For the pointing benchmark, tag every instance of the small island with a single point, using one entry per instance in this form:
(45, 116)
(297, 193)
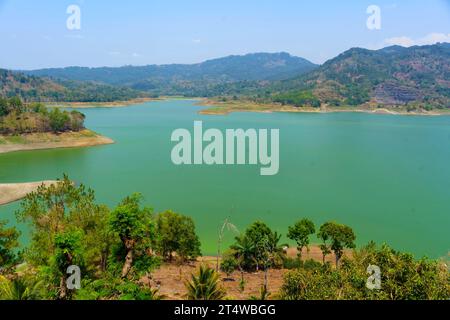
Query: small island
(33, 126)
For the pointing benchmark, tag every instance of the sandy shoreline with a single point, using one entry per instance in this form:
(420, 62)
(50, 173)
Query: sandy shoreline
(29, 142)
(114, 104)
(10, 192)
(215, 107)
(224, 108)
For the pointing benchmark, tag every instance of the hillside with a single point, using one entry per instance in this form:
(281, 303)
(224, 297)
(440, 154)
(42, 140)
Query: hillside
(202, 79)
(393, 76)
(33, 88)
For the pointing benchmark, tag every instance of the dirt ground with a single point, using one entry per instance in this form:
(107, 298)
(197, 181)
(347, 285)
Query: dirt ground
(171, 278)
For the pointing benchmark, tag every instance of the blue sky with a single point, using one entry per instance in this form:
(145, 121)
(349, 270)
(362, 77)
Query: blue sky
(137, 32)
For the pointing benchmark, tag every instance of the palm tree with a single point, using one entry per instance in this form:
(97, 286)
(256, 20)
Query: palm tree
(244, 250)
(18, 289)
(226, 226)
(205, 285)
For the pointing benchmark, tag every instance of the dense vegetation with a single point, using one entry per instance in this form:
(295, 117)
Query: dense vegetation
(35, 89)
(117, 250)
(17, 117)
(413, 78)
(202, 79)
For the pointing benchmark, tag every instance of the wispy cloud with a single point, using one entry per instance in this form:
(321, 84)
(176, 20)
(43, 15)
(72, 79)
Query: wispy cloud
(136, 55)
(429, 39)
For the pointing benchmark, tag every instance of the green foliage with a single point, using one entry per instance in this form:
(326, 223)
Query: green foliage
(19, 118)
(113, 288)
(35, 89)
(58, 120)
(300, 233)
(402, 278)
(64, 207)
(68, 250)
(20, 288)
(258, 247)
(8, 243)
(133, 226)
(298, 99)
(176, 235)
(205, 285)
(210, 78)
(340, 237)
(229, 264)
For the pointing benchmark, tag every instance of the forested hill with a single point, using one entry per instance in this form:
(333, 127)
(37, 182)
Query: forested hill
(391, 76)
(415, 77)
(33, 88)
(202, 79)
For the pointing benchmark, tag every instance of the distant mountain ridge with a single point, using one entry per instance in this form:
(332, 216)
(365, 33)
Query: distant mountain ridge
(415, 77)
(189, 79)
(33, 88)
(391, 76)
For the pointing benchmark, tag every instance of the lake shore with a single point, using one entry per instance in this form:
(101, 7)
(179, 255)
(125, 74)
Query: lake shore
(11, 192)
(113, 104)
(41, 141)
(216, 107)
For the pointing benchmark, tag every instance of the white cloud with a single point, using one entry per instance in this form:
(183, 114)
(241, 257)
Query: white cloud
(429, 39)
(114, 53)
(136, 55)
(197, 41)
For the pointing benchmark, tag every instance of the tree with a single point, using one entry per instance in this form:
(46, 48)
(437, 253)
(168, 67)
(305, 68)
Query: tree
(133, 226)
(58, 120)
(176, 235)
(229, 265)
(300, 233)
(63, 207)
(255, 244)
(20, 289)
(402, 278)
(205, 285)
(8, 242)
(340, 236)
(4, 107)
(68, 252)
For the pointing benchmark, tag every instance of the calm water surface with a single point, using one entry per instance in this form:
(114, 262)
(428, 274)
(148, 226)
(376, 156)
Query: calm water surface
(386, 176)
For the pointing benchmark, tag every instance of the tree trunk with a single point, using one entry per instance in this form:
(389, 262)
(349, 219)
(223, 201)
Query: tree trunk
(128, 263)
(63, 288)
(338, 257)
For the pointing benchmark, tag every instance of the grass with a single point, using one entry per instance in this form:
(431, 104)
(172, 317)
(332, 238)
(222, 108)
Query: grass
(217, 107)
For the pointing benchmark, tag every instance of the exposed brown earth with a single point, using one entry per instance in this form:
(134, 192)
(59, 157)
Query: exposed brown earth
(40, 141)
(171, 278)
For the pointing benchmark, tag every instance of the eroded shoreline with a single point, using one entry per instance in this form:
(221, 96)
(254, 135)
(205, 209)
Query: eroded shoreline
(11, 192)
(43, 141)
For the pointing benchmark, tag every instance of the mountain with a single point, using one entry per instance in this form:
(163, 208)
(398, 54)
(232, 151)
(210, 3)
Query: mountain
(192, 80)
(33, 88)
(415, 76)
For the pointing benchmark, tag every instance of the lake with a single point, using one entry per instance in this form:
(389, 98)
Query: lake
(386, 176)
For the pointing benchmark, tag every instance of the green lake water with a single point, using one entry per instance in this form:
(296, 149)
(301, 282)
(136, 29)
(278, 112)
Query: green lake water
(386, 176)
